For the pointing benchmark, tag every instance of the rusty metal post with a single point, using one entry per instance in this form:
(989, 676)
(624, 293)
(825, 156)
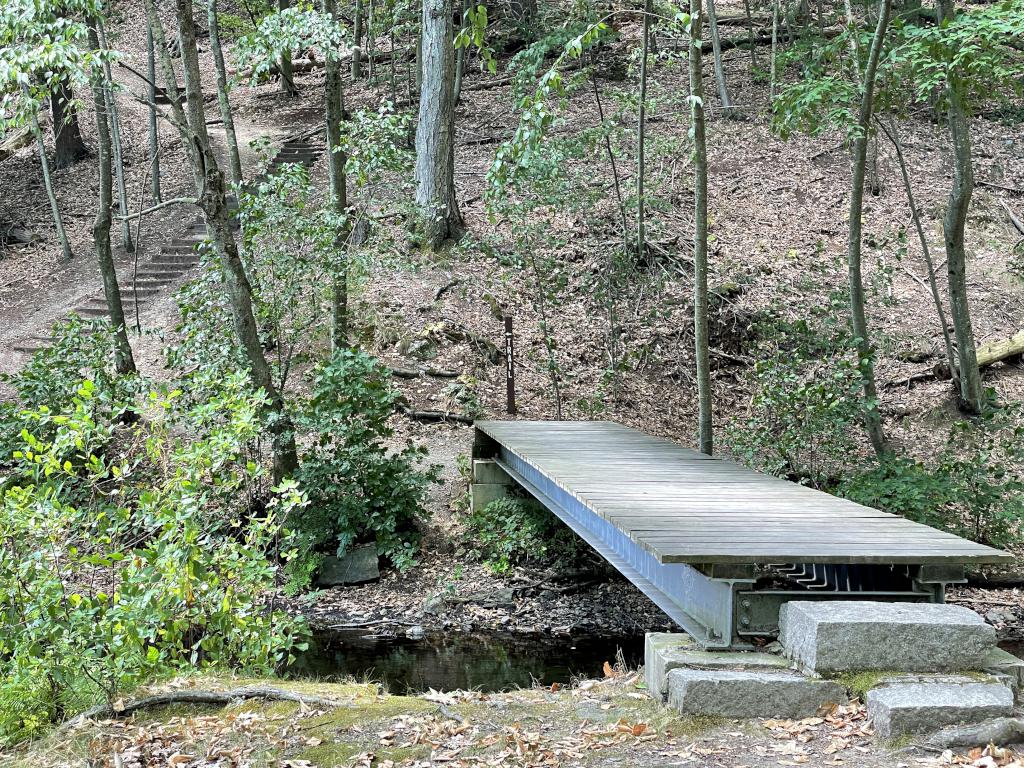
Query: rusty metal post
(510, 368)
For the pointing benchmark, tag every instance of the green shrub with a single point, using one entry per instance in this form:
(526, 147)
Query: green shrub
(512, 530)
(359, 488)
(807, 403)
(151, 575)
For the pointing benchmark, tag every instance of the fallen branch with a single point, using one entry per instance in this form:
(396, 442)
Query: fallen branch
(1003, 187)
(158, 206)
(221, 698)
(1014, 219)
(435, 416)
(417, 373)
(445, 288)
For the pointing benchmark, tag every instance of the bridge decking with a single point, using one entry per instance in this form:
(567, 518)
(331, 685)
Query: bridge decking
(682, 506)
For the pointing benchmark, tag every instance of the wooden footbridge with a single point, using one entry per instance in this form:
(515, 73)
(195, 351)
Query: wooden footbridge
(715, 545)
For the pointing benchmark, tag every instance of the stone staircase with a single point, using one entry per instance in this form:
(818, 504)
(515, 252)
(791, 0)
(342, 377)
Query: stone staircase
(177, 257)
(922, 666)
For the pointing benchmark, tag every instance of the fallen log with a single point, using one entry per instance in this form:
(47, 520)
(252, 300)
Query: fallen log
(990, 353)
(435, 416)
(15, 141)
(417, 373)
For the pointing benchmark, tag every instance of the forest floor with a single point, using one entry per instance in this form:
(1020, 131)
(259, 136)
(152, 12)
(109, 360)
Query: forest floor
(594, 723)
(778, 211)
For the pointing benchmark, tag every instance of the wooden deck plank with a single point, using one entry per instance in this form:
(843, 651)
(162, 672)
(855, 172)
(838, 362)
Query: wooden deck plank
(684, 506)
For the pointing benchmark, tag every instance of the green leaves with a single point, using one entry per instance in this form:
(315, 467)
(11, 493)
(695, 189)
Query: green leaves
(294, 28)
(474, 34)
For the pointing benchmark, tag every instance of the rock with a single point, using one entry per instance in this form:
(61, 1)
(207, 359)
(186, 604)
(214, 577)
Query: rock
(913, 708)
(665, 651)
(1000, 616)
(748, 694)
(415, 632)
(829, 637)
(1006, 665)
(1002, 730)
(357, 566)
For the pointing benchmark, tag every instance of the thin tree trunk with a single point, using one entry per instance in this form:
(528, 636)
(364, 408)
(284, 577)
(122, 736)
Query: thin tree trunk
(716, 51)
(58, 220)
(209, 180)
(154, 128)
(460, 59)
(124, 362)
(357, 37)
(67, 136)
(285, 65)
(115, 134)
(954, 224)
(865, 350)
(371, 41)
(234, 159)
(702, 352)
(893, 136)
(391, 60)
(775, 50)
(641, 135)
(438, 210)
(750, 38)
(334, 114)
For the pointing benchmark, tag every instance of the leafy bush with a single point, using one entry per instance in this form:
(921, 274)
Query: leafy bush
(359, 488)
(972, 488)
(806, 404)
(150, 576)
(512, 530)
(50, 381)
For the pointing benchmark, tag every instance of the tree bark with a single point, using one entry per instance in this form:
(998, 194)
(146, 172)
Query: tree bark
(209, 180)
(438, 211)
(773, 77)
(124, 361)
(954, 224)
(865, 350)
(154, 130)
(234, 159)
(702, 352)
(67, 136)
(716, 50)
(334, 100)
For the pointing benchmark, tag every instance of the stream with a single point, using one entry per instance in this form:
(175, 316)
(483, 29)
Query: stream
(461, 662)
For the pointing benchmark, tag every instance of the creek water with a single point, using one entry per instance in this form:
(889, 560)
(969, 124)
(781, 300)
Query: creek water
(460, 662)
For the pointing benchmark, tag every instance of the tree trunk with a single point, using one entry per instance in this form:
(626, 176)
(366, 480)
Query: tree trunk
(460, 59)
(954, 224)
(716, 50)
(67, 136)
(154, 129)
(865, 350)
(702, 352)
(58, 220)
(357, 38)
(234, 159)
(124, 362)
(773, 77)
(750, 38)
(641, 134)
(115, 134)
(285, 65)
(438, 210)
(334, 99)
(893, 136)
(209, 180)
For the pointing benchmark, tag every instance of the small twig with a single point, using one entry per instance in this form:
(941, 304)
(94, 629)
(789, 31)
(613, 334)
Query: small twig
(1014, 190)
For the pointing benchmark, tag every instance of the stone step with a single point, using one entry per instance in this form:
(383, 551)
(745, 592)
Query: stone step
(151, 280)
(751, 693)
(183, 243)
(666, 651)
(164, 270)
(91, 311)
(903, 709)
(31, 344)
(827, 637)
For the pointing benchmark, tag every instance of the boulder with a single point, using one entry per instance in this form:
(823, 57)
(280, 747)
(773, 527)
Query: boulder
(915, 708)
(751, 693)
(357, 566)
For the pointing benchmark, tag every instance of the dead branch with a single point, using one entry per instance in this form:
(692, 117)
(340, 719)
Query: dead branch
(1014, 219)
(417, 373)
(435, 416)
